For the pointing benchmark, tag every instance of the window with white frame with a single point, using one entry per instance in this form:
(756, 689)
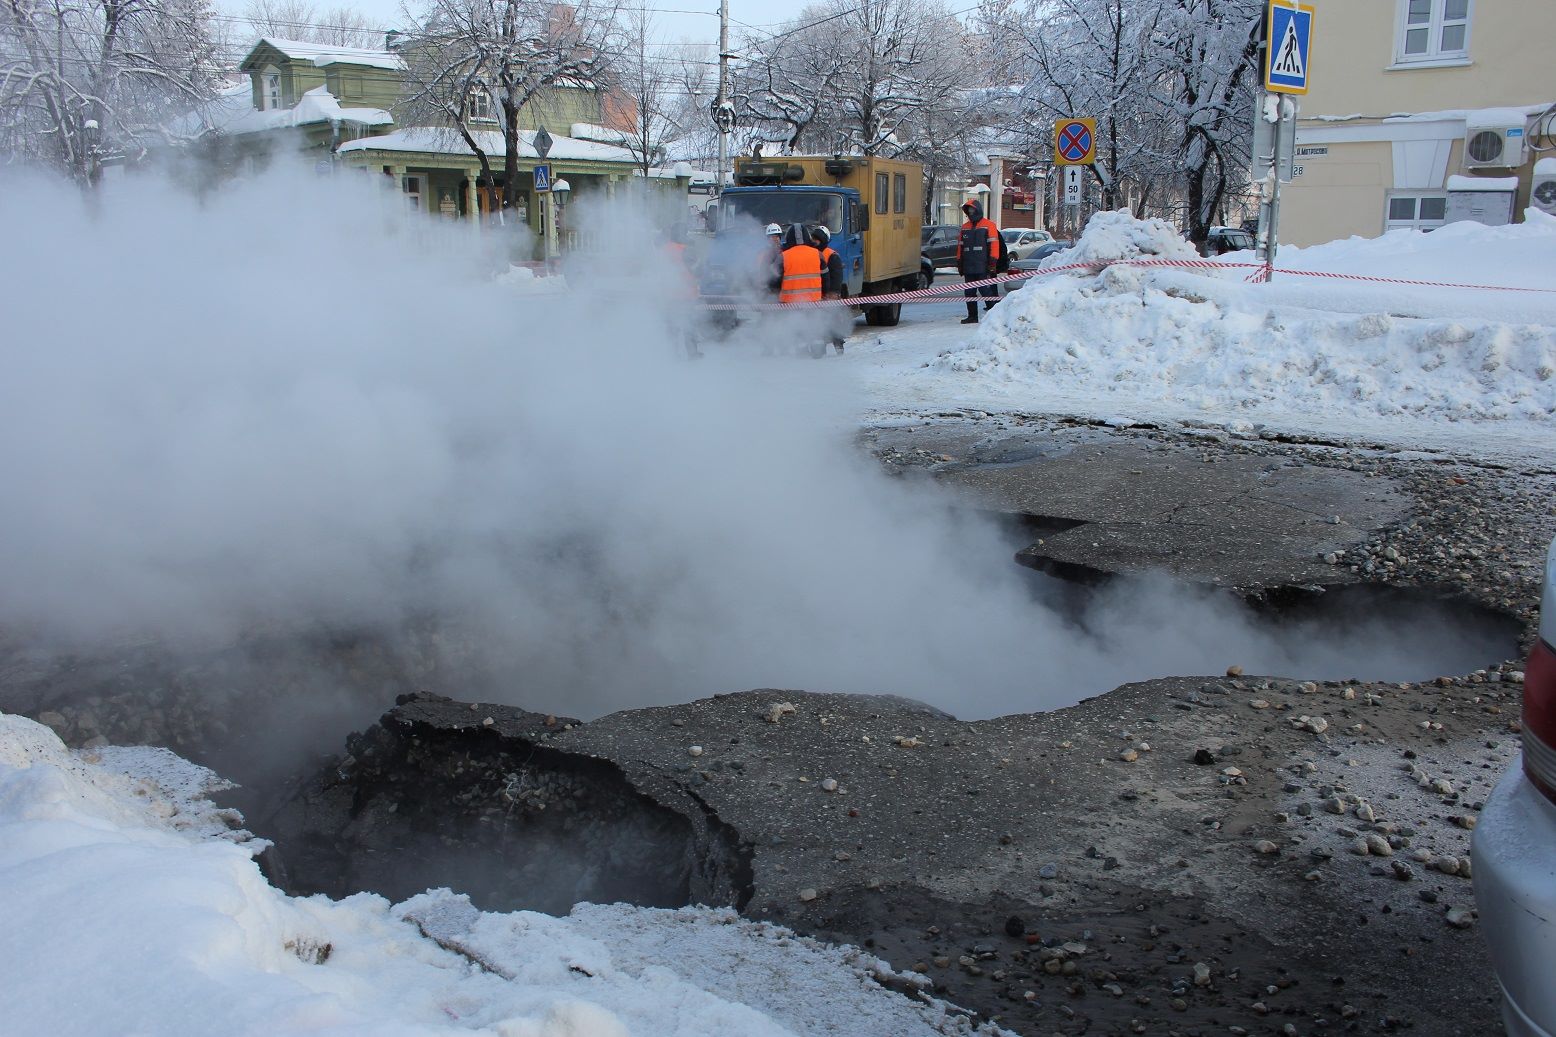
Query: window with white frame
(270, 88)
(1415, 211)
(1434, 30)
(480, 106)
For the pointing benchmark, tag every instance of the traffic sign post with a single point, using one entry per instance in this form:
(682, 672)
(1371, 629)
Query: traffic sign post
(548, 208)
(1288, 52)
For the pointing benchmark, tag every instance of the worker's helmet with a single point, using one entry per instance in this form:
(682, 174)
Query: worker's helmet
(819, 233)
(773, 230)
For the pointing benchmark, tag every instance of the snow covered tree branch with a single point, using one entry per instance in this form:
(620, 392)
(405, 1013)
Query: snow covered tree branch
(88, 81)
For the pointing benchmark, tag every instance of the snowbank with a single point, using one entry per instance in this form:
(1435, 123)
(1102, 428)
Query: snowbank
(1111, 236)
(124, 915)
(1236, 352)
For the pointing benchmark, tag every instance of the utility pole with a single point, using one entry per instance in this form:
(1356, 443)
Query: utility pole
(723, 111)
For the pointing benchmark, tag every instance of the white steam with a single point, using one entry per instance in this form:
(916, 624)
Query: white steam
(289, 404)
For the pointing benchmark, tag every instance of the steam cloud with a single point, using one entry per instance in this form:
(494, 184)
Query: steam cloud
(287, 405)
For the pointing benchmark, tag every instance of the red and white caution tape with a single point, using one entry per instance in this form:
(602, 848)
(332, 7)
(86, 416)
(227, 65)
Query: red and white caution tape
(944, 293)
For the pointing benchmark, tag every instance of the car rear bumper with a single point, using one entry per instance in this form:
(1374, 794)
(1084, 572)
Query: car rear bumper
(1515, 892)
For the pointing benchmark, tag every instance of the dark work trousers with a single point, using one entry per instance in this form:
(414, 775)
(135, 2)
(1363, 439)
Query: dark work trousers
(991, 293)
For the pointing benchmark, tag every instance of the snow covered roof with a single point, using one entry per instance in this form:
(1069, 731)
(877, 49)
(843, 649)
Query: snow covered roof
(233, 113)
(1477, 118)
(601, 134)
(438, 141)
(1482, 183)
(321, 54)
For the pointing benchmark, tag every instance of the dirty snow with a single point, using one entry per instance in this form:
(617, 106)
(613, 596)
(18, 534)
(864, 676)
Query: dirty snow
(120, 918)
(1401, 364)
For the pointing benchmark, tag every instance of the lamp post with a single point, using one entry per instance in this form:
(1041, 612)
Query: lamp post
(560, 190)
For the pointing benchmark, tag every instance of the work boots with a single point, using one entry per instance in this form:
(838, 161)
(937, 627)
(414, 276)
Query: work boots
(972, 314)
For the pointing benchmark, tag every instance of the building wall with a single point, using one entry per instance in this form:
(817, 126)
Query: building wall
(1337, 195)
(1353, 161)
(1354, 73)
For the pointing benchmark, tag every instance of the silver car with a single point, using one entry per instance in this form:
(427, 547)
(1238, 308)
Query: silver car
(1020, 243)
(1515, 848)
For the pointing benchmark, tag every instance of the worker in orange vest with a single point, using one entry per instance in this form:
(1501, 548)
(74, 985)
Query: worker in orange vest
(979, 255)
(803, 278)
(831, 282)
(680, 271)
(802, 269)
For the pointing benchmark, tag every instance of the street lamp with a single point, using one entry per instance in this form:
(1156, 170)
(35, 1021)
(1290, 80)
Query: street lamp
(560, 189)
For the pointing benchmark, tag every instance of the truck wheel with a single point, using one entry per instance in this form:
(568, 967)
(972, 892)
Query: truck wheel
(872, 316)
(890, 314)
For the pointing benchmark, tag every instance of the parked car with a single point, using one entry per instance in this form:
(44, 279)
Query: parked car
(1035, 258)
(1514, 849)
(939, 243)
(1226, 239)
(1020, 242)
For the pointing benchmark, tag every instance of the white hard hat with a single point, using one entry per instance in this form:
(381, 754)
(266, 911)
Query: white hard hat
(773, 230)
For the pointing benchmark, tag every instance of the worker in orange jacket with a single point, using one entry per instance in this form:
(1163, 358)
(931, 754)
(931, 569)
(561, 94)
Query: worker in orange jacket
(673, 252)
(802, 269)
(979, 255)
(804, 277)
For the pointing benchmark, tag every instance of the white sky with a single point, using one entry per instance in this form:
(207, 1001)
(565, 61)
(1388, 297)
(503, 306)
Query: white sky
(671, 21)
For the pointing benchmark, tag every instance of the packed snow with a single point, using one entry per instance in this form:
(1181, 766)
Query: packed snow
(1314, 353)
(134, 906)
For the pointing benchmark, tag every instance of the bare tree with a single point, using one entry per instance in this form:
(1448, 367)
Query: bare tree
(861, 76)
(786, 90)
(1212, 49)
(88, 81)
(465, 58)
(652, 86)
(341, 26)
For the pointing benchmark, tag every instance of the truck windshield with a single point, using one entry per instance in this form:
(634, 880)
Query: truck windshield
(784, 208)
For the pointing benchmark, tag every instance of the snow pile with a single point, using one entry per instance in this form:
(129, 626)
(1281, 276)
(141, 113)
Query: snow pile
(119, 919)
(1111, 236)
(1174, 341)
(524, 280)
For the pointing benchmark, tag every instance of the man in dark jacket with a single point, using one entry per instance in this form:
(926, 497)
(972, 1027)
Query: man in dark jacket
(978, 256)
(832, 284)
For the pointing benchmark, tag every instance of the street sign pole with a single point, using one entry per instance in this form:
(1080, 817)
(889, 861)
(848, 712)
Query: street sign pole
(1288, 39)
(1272, 232)
(1075, 147)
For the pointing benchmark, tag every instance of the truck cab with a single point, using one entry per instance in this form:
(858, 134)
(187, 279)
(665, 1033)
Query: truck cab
(836, 208)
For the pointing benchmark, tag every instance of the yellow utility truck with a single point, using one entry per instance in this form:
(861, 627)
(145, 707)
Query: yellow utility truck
(872, 207)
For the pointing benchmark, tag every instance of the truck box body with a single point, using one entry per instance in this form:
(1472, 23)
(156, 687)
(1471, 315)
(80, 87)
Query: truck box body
(873, 208)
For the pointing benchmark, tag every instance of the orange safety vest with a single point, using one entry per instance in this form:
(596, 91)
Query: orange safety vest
(801, 275)
(675, 253)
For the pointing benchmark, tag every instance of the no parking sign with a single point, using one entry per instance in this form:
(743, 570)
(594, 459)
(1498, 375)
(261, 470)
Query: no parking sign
(1075, 142)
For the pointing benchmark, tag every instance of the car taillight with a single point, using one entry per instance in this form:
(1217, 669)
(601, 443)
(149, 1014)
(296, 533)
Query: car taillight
(1540, 692)
(1540, 719)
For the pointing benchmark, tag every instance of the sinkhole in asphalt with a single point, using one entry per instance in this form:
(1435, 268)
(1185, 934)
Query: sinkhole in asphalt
(1171, 628)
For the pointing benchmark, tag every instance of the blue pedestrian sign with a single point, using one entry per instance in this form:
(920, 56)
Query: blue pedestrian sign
(1288, 45)
(542, 179)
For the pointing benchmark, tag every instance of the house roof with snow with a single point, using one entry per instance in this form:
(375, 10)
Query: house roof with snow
(320, 55)
(436, 141)
(232, 113)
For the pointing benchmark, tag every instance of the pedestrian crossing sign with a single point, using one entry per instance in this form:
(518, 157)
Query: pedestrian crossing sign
(1288, 47)
(542, 179)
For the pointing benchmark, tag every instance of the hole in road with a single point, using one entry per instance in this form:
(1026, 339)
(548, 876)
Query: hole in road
(1160, 627)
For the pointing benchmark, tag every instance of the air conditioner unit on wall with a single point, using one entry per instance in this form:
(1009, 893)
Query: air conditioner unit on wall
(1493, 148)
(1542, 189)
